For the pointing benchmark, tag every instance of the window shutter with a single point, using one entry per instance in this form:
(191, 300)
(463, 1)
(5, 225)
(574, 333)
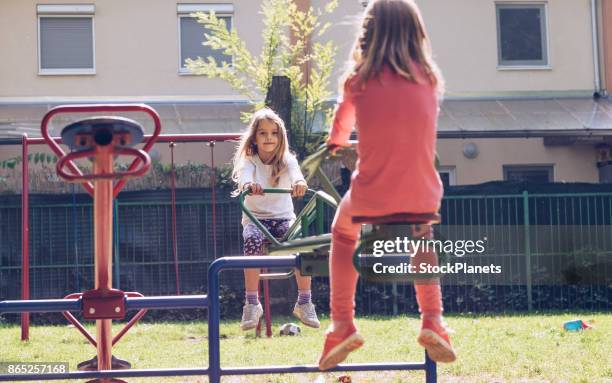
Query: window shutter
(66, 43)
(192, 36)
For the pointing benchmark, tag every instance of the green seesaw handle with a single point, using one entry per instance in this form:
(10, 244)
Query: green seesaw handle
(318, 198)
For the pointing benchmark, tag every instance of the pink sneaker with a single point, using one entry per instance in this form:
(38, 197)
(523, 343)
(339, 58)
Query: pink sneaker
(339, 346)
(435, 339)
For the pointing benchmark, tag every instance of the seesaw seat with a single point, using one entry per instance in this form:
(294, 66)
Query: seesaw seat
(119, 131)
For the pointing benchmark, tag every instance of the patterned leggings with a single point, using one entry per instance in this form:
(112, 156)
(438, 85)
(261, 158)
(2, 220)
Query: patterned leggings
(254, 239)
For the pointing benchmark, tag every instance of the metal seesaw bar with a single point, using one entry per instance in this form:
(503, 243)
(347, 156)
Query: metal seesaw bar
(106, 374)
(315, 369)
(300, 245)
(214, 357)
(214, 370)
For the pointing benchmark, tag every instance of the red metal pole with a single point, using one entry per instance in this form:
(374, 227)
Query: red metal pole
(213, 184)
(129, 325)
(173, 208)
(75, 322)
(103, 247)
(258, 329)
(266, 285)
(132, 321)
(68, 315)
(25, 236)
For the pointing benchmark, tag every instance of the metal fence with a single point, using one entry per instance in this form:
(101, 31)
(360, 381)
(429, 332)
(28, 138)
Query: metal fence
(545, 235)
(61, 246)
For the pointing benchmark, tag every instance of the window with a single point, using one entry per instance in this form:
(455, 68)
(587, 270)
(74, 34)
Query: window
(447, 175)
(191, 33)
(531, 173)
(521, 35)
(65, 39)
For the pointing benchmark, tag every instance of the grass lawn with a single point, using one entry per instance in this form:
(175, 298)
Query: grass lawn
(519, 348)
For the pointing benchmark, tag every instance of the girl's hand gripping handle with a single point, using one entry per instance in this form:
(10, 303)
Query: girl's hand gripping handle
(255, 188)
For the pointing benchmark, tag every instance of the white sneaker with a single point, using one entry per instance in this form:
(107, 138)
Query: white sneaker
(250, 316)
(307, 314)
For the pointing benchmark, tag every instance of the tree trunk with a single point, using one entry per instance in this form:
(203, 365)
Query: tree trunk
(279, 99)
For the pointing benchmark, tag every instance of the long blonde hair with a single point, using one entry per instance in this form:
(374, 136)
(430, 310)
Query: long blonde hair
(393, 35)
(248, 147)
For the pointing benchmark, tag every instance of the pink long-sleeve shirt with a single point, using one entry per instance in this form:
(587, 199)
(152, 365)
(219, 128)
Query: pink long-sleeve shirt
(396, 123)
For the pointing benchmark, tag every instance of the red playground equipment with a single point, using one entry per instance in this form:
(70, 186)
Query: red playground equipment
(102, 140)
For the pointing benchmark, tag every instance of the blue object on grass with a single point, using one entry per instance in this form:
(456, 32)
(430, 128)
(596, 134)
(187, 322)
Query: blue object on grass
(573, 325)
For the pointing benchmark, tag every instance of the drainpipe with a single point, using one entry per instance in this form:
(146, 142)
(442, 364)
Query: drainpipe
(595, 33)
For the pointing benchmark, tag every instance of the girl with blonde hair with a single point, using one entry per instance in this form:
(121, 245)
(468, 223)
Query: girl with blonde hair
(263, 161)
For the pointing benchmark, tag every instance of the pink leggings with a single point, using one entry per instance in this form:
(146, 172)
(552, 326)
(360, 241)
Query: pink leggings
(343, 276)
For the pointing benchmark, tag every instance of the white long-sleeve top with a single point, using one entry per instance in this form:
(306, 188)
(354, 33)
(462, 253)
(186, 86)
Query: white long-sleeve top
(270, 205)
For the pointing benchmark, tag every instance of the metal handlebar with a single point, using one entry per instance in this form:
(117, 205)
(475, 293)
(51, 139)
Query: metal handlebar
(44, 128)
(255, 221)
(140, 154)
(316, 196)
(319, 195)
(311, 165)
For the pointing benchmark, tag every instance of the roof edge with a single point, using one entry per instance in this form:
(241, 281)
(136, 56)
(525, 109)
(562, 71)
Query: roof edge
(37, 101)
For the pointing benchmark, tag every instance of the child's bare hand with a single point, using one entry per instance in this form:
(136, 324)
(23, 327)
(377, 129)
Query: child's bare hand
(255, 189)
(299, 189)
(333, 148)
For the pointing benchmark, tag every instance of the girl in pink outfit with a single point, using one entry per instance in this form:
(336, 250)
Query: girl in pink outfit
(391, 97)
